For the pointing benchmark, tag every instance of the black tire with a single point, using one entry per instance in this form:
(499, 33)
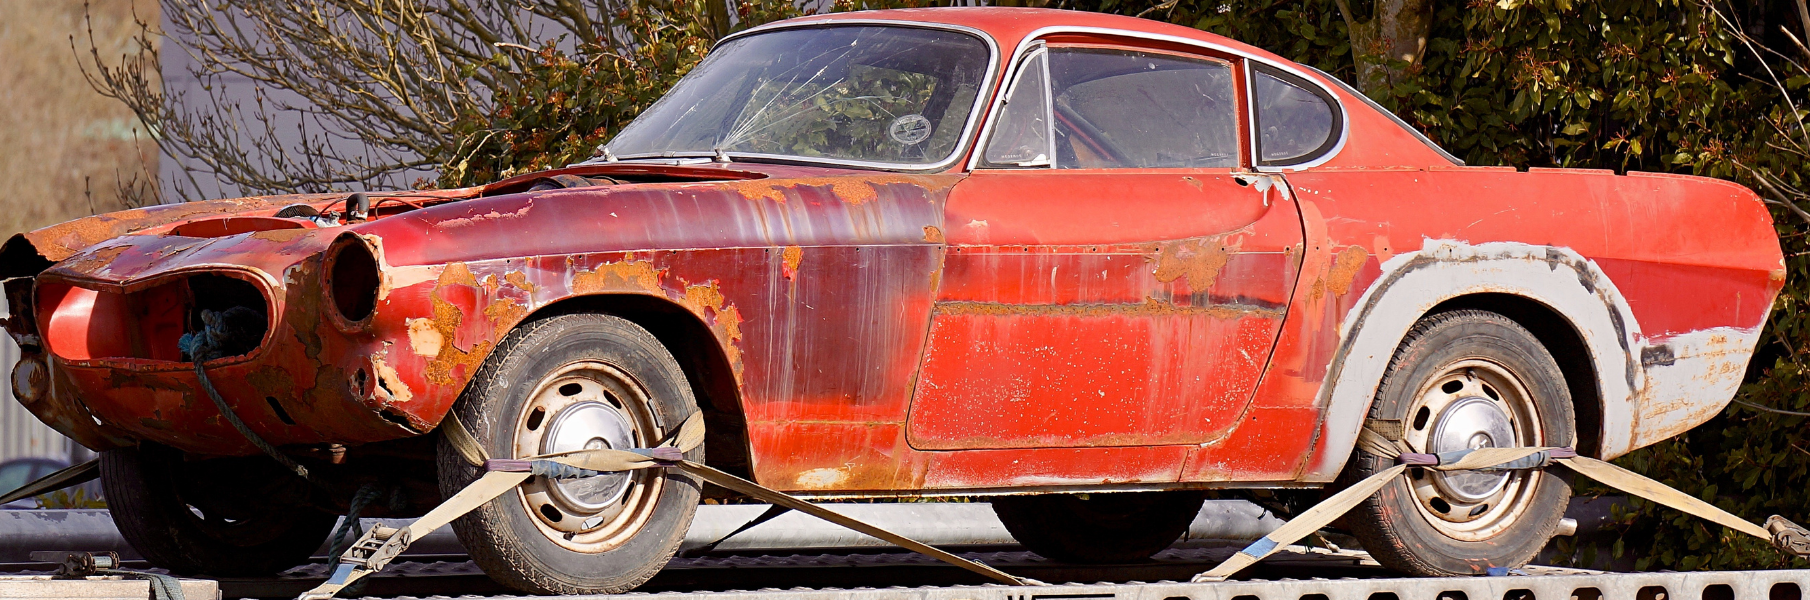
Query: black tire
(1098, 528)
(154, 496)
(1463, 379)
(634, 534)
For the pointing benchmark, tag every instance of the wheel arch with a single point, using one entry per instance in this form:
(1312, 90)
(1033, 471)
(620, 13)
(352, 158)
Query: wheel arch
(700, 355)
(1559, 295)
(1560, 338)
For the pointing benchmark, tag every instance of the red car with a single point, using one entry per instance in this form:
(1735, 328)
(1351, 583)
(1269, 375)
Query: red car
(1093, 266)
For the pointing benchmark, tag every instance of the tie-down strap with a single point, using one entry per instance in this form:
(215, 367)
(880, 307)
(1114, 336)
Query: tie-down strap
(382, 544)
(1784, 534)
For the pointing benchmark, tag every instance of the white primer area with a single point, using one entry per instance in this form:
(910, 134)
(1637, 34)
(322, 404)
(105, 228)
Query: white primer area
(1642, 404)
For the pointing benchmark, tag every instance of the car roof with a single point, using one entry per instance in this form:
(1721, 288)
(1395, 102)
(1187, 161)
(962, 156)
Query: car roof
(1009, 25)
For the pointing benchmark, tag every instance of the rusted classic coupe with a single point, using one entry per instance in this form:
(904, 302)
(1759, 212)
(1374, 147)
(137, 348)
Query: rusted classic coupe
(1092, 266)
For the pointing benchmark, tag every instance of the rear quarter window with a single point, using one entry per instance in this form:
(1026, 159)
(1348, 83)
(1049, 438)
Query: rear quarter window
(1296, 121)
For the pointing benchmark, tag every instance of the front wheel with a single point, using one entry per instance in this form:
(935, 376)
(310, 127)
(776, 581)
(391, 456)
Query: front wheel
(227, 516)
(566, 383)
(1465, 380)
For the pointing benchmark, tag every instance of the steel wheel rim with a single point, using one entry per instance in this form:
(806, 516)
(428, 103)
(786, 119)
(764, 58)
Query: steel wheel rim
(588, 523)
(1472, 402)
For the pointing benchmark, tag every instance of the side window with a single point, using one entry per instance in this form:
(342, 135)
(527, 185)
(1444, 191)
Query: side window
(1129, 109)
(1021, 137)
(1296, 122)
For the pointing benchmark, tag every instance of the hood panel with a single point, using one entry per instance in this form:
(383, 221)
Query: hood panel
(864, 209)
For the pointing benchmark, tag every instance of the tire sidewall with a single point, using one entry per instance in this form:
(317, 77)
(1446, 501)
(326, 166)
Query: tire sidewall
(506, 537)
(1416, 545)
(146, 500)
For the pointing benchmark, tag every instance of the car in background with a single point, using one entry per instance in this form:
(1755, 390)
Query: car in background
(17, 472)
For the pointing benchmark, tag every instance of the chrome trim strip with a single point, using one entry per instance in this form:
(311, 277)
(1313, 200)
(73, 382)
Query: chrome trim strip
(1035, 36)
(963, 143)
(1250, 115)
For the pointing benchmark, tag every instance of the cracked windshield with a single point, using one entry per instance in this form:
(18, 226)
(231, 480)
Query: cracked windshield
(856, 93)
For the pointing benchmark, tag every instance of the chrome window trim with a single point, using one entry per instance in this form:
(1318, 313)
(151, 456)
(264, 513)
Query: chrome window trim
(963, 143)
(1010, 86)
(1037, 35)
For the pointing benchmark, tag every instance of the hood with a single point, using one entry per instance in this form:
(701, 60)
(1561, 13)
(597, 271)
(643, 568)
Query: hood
(27, 254)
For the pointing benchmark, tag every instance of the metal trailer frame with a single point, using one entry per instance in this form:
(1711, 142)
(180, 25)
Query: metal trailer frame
(1573, 585)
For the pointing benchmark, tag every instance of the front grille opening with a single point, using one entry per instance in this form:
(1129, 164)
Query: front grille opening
(238, 314)
(150, 323)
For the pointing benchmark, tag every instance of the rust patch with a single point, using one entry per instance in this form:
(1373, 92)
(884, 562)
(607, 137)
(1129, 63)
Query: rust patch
(489, 216)
(625, 275)
(1345, 270)
(1193, 182)
(457, 274)
(445, 322)
(504, 313)
(96, 261)
(520, 281)
(704, 296)
(932, 234)
(706, 300)
(755, 189)
(792, 255)
(1196, 261)
(851, 190)
(281, 236)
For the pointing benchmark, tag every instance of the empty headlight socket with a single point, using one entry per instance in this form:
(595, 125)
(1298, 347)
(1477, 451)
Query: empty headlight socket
(352, 276)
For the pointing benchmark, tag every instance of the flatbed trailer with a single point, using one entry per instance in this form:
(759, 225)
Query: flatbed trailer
(1297, 573)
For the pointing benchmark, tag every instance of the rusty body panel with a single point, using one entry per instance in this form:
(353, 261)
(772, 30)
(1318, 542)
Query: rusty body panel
(875, 333)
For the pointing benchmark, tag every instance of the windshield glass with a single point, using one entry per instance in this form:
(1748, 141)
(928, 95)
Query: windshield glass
(875, 94)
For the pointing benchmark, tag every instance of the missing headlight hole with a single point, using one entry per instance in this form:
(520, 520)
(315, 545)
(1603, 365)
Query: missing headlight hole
(352, 279)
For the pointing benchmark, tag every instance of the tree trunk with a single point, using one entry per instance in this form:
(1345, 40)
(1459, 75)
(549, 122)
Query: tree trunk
(1389, 44)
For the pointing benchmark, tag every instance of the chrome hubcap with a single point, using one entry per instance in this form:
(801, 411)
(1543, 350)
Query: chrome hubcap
(1469, 424)
(589, 426)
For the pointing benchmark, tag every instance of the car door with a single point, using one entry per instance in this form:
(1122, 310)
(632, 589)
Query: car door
(1114, 276)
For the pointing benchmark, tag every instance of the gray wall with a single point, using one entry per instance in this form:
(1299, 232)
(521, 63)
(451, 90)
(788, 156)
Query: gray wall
(21, 434)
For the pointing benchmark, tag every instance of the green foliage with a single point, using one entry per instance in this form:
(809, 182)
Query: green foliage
(64, 499)
(1653, 85)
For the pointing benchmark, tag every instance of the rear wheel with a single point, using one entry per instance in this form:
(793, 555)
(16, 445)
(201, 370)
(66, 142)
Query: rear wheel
(231, 516)
(1098, 528)
(1465, 380)
(568, 383)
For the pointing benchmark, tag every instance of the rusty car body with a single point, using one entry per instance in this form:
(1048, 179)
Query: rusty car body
(956, 327)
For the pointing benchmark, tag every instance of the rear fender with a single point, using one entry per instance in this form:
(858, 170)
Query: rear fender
(1650, 390)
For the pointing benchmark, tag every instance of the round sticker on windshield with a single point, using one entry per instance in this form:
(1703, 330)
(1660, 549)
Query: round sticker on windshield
(909, 129)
